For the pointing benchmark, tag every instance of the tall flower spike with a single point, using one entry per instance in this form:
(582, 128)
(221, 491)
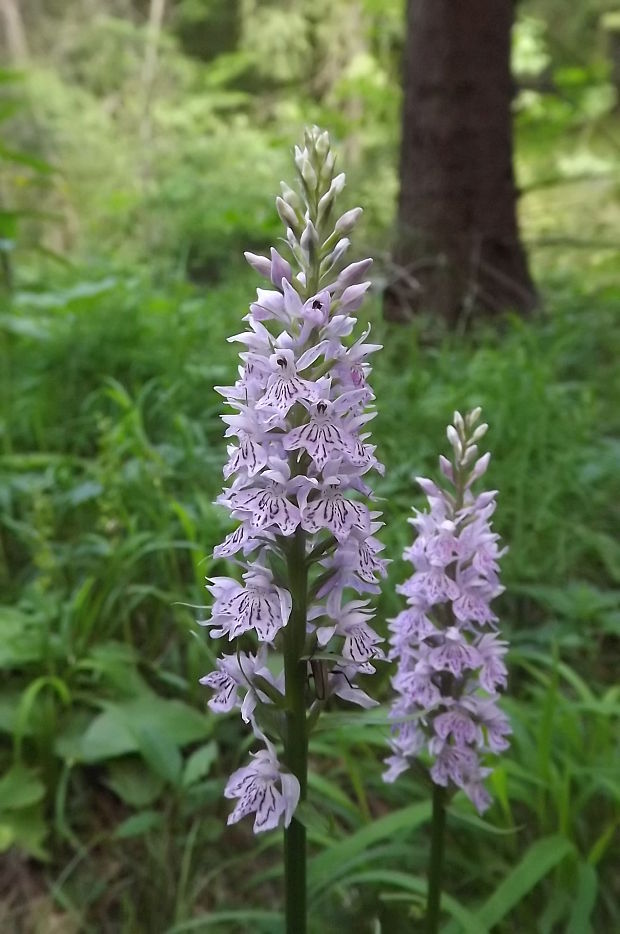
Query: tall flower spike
(298, 459)
(450, 656)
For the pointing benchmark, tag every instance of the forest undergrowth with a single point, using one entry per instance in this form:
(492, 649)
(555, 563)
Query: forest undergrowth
(111, 460)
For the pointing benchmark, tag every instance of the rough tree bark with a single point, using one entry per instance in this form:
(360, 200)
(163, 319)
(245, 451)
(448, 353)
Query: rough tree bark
(458, 249)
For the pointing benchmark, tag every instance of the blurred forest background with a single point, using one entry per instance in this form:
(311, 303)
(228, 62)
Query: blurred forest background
(141, 148)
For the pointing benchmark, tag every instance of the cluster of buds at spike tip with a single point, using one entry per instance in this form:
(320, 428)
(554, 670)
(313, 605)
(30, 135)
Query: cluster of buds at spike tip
(449, 653)
(298, 461)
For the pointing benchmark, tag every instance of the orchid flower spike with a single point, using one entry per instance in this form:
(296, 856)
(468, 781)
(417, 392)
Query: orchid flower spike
(299, 458)
(446, 642)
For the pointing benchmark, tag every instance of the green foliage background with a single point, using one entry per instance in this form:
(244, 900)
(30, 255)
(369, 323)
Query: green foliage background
(125, 205)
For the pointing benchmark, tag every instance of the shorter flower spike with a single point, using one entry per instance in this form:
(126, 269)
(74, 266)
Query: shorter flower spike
(450, 658)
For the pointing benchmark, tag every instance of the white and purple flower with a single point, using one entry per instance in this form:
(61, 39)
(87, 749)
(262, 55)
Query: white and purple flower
(298, 450)
(450, 659)
(265, 790)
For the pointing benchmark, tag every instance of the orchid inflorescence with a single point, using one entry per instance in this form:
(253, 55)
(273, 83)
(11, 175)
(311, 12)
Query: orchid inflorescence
(449, 654)
(298, 458)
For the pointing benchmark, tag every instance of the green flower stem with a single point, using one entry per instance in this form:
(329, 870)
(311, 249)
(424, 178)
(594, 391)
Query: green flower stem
(296, 737)
(435, 868)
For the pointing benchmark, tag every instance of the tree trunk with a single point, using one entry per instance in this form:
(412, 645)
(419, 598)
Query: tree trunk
(458, 249)
(157, 8)
(14, 32)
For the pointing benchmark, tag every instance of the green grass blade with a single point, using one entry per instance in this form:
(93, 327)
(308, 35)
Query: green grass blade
(541, 857)
(255, 919)
(587, 884)
(327, 866)
(469, 923)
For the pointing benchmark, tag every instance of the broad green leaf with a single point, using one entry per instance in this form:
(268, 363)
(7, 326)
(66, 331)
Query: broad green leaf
(9, 708)
(117, 662)
(327, 866)
(20, 788)
(138, 824)
(6, 836)
(161, 753)
(133, 782)
(112, 733)
(25, 829)
(25, 326)
(540, 859)
(199, 763)
(106, 737)
(83, 492)
(72, 726)
(22, 638)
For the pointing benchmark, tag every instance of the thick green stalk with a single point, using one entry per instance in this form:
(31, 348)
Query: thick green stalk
(435, 868)
(296, 738)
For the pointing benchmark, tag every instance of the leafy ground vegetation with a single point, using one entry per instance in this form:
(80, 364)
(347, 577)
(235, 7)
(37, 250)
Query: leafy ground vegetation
(122, 283)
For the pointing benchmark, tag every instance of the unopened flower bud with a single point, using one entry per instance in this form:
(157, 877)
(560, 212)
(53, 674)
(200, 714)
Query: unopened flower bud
(459, 424)
(351, 274)
(446, 468)
(338, 184)
(260, 263)
(326, 201)
(308, 174)
(454, 440)
(479, 468)
(480, 432)
(309, 239)
(352, 297)
(327, 169)
(428, 486)
(347, 222)
(337, 253)
(292, 198)
(286, 212)
(321, 144)
(300, 155)
(472, 417)
(280, 269)
(471, 452)
(311, 134)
